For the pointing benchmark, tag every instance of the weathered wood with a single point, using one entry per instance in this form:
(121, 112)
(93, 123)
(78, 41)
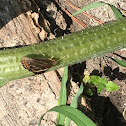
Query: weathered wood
(19, 23)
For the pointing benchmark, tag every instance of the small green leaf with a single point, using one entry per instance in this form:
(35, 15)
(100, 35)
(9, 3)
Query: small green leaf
(77, 116)
(86, 79)
(111, 86)
(103, 80)
(88, 91)
(96, 80)
(100, 88)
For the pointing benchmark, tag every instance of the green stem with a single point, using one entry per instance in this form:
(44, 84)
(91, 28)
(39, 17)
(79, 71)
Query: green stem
(67, 50)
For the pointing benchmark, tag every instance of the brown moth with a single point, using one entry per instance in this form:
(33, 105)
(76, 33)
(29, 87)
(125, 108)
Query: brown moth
(38, 65)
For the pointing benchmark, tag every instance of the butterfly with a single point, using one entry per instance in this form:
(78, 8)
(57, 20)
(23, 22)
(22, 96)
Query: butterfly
(38, 65)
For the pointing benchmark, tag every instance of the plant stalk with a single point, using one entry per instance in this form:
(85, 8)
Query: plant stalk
(67, 50)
